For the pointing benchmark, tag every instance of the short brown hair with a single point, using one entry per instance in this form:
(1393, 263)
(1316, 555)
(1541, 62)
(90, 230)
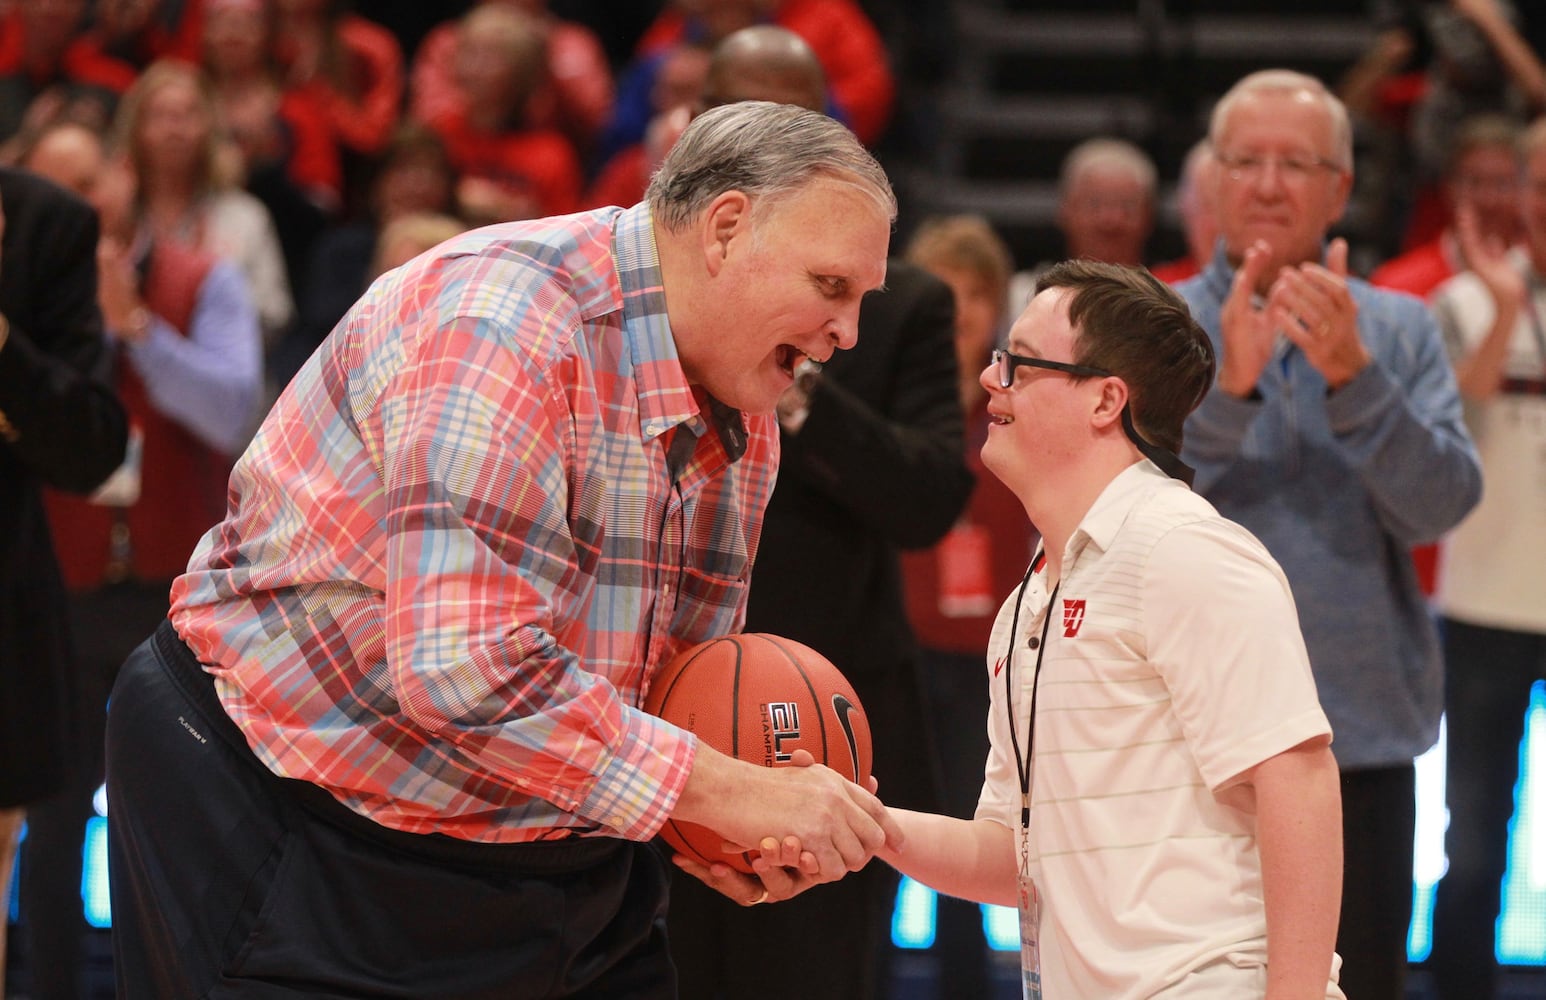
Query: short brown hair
(1136, 327)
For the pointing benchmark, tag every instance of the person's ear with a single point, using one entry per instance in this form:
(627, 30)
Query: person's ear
(728, 217)
(1110, 403)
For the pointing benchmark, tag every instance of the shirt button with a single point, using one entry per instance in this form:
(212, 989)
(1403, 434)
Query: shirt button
(617, 821)
(1033, 642)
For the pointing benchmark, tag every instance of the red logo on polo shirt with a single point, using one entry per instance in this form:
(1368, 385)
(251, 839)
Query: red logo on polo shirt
(1073, 616)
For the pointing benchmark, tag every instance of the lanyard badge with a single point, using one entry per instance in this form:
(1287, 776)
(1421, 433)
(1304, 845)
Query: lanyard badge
(1028, 897)
(1030, 925)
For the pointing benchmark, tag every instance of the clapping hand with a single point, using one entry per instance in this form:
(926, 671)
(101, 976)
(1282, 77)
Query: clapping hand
(1487, 258)
(1312, 306)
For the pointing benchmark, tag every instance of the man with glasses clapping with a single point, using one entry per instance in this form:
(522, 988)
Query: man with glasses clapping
(1334, 434)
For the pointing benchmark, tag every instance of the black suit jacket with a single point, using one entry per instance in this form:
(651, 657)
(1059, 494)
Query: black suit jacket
(877, 466)
(64, 428)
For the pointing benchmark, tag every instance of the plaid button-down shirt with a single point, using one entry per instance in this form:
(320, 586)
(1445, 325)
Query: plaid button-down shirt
(469, 532)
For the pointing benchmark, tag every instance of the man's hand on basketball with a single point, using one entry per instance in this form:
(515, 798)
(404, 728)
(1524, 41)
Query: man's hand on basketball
(830, 826)
(840, 824)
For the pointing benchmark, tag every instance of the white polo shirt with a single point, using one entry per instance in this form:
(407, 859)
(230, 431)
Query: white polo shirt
(1173, 663)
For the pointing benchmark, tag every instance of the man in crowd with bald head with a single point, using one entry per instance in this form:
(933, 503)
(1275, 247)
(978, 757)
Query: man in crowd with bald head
(1105, 209)
(763, 62)
(1106, 201)
(70, 154)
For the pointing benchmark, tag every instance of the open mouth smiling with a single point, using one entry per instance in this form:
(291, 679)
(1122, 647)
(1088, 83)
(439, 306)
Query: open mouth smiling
(789, 358)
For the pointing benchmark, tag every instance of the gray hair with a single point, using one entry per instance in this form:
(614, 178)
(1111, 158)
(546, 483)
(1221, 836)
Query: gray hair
(766, 151)
(1287, 81)
(1100, 152)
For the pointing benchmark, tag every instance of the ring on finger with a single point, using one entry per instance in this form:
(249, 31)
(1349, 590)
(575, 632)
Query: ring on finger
(760, 899)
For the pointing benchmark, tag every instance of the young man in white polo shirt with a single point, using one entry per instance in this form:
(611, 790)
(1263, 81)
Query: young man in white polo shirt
(1160, 800)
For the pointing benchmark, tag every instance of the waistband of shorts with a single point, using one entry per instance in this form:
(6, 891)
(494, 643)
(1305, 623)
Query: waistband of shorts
(570, 853)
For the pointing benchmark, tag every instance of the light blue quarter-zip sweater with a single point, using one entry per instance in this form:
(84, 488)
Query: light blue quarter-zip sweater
(1338, 487)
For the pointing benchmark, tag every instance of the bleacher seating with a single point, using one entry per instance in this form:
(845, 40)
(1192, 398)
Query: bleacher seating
(1030, 79)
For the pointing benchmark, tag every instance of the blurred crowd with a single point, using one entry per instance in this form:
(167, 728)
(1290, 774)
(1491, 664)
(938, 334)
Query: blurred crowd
(316, 146)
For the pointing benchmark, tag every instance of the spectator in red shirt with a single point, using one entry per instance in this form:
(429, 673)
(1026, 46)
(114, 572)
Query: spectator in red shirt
(510, 167)
(575, 95)
(50, 72)
(1482, 175)
(274, 126)
(347, 65)
(1106, 201)
(1105, 210)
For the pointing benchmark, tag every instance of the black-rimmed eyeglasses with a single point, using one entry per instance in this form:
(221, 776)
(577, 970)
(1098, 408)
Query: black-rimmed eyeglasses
(1007, 363)
(1169, 462)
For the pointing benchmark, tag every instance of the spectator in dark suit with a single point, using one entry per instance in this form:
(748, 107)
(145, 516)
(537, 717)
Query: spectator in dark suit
(872, 463)
(60, 425)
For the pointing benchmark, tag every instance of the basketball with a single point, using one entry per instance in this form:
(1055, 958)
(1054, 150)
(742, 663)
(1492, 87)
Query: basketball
(759, 698)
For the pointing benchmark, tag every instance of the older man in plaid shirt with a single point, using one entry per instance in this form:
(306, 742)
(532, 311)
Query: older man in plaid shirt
(389, 742)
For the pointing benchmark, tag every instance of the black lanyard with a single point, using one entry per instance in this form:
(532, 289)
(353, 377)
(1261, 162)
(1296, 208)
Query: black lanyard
(1023, 765)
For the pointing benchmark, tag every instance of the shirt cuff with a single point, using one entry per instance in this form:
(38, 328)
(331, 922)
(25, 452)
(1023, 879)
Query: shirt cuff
(638, 788)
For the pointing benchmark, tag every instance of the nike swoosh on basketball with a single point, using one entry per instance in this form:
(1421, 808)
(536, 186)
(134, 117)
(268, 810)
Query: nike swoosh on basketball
(841, 706)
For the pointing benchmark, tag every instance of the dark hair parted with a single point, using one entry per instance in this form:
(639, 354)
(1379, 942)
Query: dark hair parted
(1136, 327)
